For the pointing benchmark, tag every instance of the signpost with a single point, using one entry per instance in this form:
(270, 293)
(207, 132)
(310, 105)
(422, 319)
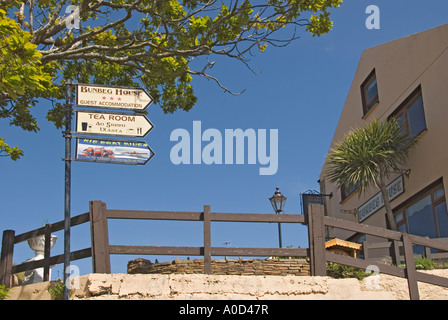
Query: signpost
(103, 150)
(128, 125)
(112, 97)
(67, 193)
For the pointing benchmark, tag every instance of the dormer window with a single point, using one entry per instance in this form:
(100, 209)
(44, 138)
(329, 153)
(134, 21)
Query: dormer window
(369, 92)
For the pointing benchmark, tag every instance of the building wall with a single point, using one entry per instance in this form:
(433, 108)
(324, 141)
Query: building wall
(400, 66)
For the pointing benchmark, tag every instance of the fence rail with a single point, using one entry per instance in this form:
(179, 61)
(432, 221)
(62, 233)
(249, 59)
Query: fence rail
(101, 250)
(10, 239)
(408, 240)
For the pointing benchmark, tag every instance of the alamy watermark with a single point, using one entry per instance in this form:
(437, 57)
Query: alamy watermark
(221, 148)
(372, 282)
(72, 281)
(373, 20)
(73, 20)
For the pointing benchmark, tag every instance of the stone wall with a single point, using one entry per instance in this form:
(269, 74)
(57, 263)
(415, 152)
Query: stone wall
(298, 267)
(100, 286)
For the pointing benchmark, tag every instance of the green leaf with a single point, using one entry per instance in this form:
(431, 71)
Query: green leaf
(5, 150)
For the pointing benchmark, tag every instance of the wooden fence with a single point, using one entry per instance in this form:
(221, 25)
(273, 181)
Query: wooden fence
(396, 251)
(101, 250)
(10, 239)
(409, 272)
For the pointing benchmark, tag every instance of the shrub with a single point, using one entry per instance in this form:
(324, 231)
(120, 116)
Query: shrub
(424, 263)
(421, 263)
(3, 292)
(339, 271)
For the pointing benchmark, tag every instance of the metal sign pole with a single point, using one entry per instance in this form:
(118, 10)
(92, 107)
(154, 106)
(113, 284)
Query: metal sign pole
(67, 135)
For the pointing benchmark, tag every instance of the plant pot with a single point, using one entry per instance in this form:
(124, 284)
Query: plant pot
(37, 244)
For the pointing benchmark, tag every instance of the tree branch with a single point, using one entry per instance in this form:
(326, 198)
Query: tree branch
(41, 33)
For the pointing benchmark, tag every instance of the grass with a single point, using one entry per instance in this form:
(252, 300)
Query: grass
(56, 290)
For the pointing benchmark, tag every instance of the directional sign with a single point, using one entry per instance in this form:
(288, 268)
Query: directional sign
(112, 97)
(113, 151)
(128, 125)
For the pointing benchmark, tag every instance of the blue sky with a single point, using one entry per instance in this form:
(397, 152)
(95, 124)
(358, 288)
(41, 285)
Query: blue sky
(299, 90)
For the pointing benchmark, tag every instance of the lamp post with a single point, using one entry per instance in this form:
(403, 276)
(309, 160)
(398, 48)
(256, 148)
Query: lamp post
(278, 203)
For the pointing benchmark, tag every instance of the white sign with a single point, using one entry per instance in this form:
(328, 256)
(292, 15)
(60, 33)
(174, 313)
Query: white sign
(129, 125)
(394, 189)
(112, 97)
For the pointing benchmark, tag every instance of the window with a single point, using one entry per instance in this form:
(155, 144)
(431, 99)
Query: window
(345, 191)
(426, 215)
(411, 114)
(369, 92)
(359, 238)
(420, 220)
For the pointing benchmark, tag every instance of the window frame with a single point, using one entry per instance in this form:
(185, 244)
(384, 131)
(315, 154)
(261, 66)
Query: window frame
(430, 190)
(346, 193)
(403, 110)
(369, 105)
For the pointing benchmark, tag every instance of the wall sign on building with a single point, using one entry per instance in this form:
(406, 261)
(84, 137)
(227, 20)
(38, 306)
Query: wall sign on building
(394, 189)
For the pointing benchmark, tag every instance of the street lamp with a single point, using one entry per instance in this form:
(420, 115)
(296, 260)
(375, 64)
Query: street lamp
(278, 203)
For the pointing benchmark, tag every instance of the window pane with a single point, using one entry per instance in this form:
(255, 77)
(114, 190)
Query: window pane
(361, 239)
(401, 227)
(420, 218)
(438, 193)
(345, 191)
(442, 219)
(399, 217)
(371, 90)
(401, 122)
(416, 117)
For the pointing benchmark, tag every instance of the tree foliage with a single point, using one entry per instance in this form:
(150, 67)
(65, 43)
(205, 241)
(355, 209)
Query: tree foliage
(6, 151)
(149, 43)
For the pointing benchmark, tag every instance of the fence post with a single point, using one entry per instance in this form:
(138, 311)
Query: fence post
(6, 258)
(317, 240)
(410, 267)
(427, 251)
(396, 252)
(365, 249)
(207, 241)
(309, 222)
(99, 237)
(47, 252)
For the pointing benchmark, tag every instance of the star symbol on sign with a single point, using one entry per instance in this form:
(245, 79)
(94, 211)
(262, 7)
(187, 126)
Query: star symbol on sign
(111, 98)
(104, 98)
(119, 99)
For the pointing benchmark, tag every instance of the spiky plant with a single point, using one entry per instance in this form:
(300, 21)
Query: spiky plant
(367, 156)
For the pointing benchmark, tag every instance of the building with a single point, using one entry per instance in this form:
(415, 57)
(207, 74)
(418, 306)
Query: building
(406, 78)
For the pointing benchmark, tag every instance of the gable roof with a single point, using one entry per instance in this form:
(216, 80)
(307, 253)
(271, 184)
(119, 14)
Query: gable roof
(398, 65)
